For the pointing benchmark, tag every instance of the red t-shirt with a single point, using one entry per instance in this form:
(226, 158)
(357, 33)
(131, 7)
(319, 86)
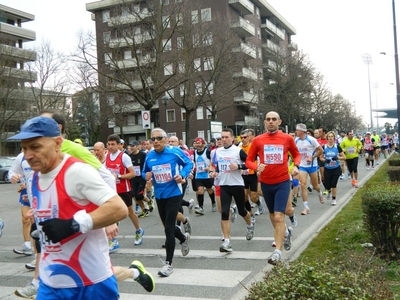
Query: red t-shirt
(273, 151)
(322, 142)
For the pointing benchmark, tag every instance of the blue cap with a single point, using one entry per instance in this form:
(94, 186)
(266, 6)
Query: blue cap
(37, 127)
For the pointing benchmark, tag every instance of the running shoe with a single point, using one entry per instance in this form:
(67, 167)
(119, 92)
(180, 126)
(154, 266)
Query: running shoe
(24, 251)
(274, 258)
(151, 205)
(225, 247)
(341, 177)
(29, 291)
(348, 175)
(253, 219)
(257, 212)
(185, 245)
(191, 206)
(139, 237)
(287, 243)
(309, 188)
(261, 208)
(321, 198)
(233, 213)
(305, 211)
(113, 245)
(187, 227)
(355, 183)
(250, 232)
(329, 195)
(333, 202)
(377, 163)
(144, 213)
(325, 192)
(199, 211)
(214, 207)
(145, 279)
(166, 270)
(273, 244)
(293, 220)
(31, 265)
(1, 227)
(367, 168)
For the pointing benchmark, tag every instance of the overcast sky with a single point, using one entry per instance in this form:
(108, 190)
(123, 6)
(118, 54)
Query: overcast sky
(334, 33)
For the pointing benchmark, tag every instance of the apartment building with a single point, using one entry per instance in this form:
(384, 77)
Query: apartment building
(135, 35)
(14, 109)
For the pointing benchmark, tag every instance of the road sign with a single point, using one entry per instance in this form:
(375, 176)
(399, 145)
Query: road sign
(146, 119)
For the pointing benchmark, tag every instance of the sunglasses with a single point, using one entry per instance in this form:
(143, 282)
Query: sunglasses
(158, 138)
(271, 119)
(244, 137)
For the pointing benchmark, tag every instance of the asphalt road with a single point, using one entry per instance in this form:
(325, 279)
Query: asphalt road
(205, 273)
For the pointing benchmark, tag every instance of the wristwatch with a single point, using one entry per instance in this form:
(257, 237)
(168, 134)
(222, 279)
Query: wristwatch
(75, 226)
(119, 176)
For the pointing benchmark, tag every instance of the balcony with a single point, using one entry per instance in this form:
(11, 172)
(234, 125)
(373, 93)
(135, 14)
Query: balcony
(244, 28)
(18, 74)
(246, 73)
(273, 30)
(246, 49)
(270, 46)
(132, 18)
(127, 107)
(135, 84)
(17, 54)
(270, 65)
(292, 46)
(248, 121)
(128, 42)
(132, 63)
(15, 33)
(245, 7)
(246, 98)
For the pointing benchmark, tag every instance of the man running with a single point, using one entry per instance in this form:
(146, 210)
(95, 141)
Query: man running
(351, 147)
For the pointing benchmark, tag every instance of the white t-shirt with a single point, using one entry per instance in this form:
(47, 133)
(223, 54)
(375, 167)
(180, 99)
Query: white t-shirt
(307, 149)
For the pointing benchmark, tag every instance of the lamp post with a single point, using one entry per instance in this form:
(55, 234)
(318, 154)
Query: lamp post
(396, 63)
(376, 86)
(366, 57)
(165, 100)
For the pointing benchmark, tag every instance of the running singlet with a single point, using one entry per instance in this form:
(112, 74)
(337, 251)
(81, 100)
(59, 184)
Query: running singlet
(329, 153)
(272, 150)
(224, 157)
(351, 147)
(202, 162)
(369, 144)
(307, 148)
(62, 264)
(117, 166)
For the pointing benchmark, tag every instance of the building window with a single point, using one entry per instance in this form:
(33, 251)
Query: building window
(106, 37)
(166, 21)
(208, 63)
(110, 100)
(184, 137)
(198, 88)
(183, 114)
(168, 69)
(210, 88)
(197, 64)
(125, 11)
(170, 93)
(106, 15)
(207, 39)
(206, 14)
(181, 67)
(167, 45)
(208, 113)
(200, 134)
(182, 90)
(127, 54)
(196, 40)
(195, 16)
(107, 57)
(259, 33)
(179, 20)
(170, 115)
(199, 114)
(258, 12)
(179, 42)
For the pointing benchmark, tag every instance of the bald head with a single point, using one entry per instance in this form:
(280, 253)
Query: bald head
(173, 141)
(100, 151)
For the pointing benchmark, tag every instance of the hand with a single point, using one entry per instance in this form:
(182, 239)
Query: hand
(111, 231)
(16, 178)
(149, 175)
(233, 166)
(335, 158)
(261, 168)
(178, 178)
(58, 229)
(328, 160)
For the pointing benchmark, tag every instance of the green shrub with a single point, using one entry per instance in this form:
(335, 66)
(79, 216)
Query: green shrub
(381, 215)
(393, 173)
(394, 160)
(353, 278)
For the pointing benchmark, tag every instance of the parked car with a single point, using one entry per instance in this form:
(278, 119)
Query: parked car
(5, 166)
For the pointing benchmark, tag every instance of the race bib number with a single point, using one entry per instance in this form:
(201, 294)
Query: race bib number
(136, 169)
(351, 150)
(43, 215)
(223, 164)
(162, 173)
(116, 172)
(201, 167)
(273, 154)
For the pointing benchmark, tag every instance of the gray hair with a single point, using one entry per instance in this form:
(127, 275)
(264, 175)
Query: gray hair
(162, 131)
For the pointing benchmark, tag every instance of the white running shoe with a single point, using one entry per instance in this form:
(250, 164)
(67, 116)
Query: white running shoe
(166, 270)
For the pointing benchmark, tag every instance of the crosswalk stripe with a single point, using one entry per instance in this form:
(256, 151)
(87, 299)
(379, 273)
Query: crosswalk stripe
(196, 237)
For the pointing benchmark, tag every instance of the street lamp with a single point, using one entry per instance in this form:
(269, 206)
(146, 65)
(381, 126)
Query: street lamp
(366, 57)
(396, 63)
(165, 100)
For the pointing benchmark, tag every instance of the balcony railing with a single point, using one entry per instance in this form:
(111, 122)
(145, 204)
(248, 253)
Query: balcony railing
(246, 74)
(244, 27)
(246, 98)
(246, 49)
(245, 7)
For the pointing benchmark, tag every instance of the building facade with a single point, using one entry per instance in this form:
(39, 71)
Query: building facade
(14, 109)
(187, 62)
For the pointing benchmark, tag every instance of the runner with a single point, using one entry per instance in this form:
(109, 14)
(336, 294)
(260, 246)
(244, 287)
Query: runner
(351, 147)
(369, 150)
(377, 146)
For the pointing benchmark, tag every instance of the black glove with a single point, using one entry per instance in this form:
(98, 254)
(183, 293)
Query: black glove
(59, 229)
(327, 160)
(335, 158)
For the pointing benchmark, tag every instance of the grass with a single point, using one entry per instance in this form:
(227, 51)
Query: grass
(341, 240)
